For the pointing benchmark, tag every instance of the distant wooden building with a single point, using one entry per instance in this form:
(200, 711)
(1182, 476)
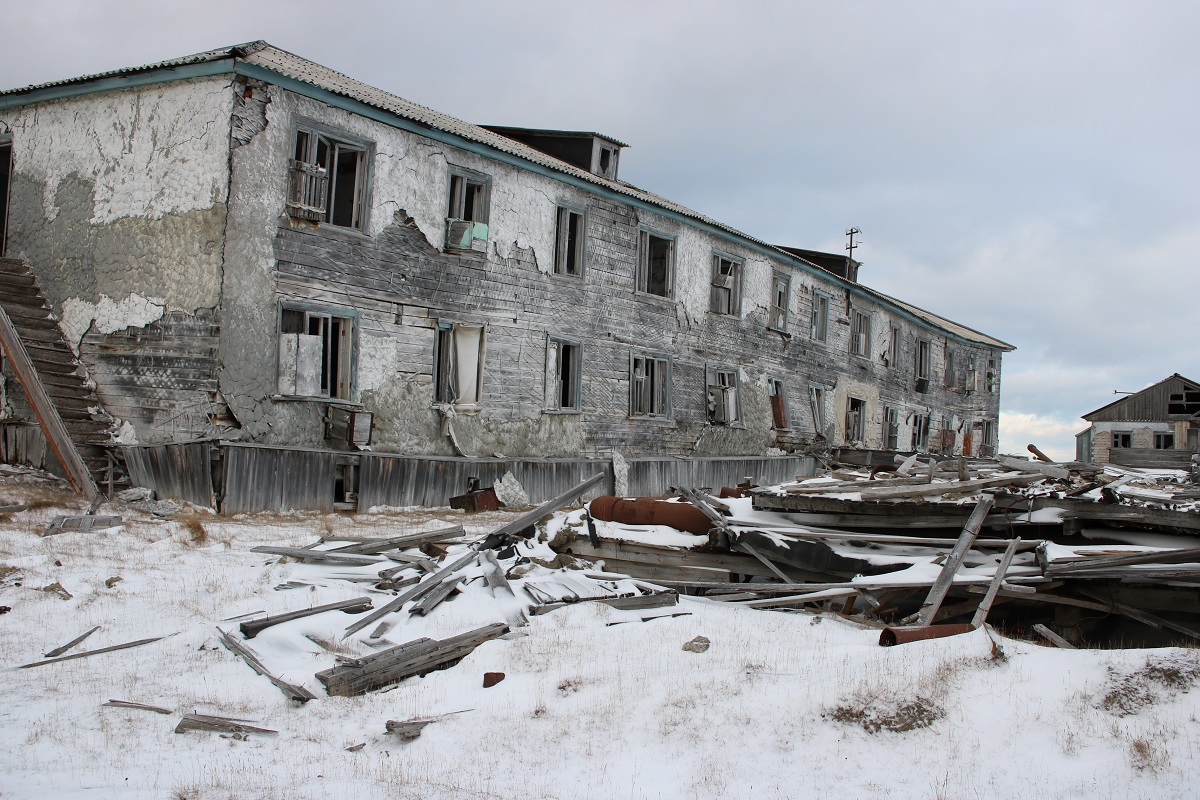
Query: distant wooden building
(1156, 427)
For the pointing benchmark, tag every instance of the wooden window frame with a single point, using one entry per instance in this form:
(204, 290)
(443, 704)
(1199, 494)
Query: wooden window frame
(891, 427)
(1164, 440)
(642, 282)
(820, 316)
(650, 386)
(314, 192)
(781, 300)
(893, 350)
(564, 375)
(816, 409)
(723, 395)
(780, 413)
(919, 440)
(336, 361)
(568, 253)
(860, 333)
(448, 380)
(856, 426)
(725, 291)
(6, 180)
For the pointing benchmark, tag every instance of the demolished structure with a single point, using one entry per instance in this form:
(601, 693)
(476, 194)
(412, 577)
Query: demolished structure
(1156, 427)
(271, 285)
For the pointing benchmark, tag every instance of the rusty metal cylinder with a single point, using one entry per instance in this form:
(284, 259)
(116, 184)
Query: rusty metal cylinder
(915, 633)
(650, 511)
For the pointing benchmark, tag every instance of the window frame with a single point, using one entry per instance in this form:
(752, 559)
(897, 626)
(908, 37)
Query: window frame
(445, 365)
(860, 333)
(857, 433)
(893, 349)
(723, 378)
(555, 378)
(6, 166)
(919, 433)
(309, 166)
(816, 409)
(1124, 436)
(922, 356)
(342, 359)
(777, 387)
(1164, 440)
(819, 331)
(661, 378)
(562, 240)
(463, 233)
(642, 277)
(781, 284)
(890, 432)
(735, 277)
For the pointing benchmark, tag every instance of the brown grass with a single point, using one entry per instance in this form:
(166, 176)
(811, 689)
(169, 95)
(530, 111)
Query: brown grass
(197, 533)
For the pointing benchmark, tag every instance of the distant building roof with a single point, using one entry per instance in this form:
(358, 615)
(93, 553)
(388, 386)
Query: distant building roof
(1154, 403)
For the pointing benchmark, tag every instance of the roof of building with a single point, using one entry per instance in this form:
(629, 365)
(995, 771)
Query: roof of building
(1147, 405)
(288, 65)
(505, 129)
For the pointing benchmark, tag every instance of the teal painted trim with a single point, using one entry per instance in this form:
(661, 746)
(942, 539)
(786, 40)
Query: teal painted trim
(395, 121)
(116, 82)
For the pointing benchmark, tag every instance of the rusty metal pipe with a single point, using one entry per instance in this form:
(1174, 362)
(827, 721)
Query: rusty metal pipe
(650, 511)
(915, 633)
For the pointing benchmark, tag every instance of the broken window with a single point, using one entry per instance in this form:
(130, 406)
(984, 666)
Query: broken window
(649, 386)
(891, 428)
(860, 333)
(329, 179)
(316, 352)
(779, 410)
(988, 447)
(726, 291)
(972, 382)
(1164, 441)
(724, 404)
(948, 436)
(920, 432)
(606, 161)
(948, 374)
(467, 212)
(5, 182)
(781, 291)
(568, 242)
(856, 412)
(656, 262)
(893, 351)
(921, 365)
(1185, 402)
(1122, 439)
(816, 405)
(820, 316)
(989, 377)
(563, 369)
(458, 365)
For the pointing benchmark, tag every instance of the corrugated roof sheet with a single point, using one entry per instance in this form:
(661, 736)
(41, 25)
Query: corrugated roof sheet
(290, 65)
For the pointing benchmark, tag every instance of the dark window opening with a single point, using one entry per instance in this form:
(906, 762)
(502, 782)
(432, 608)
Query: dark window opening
(563, 373)
(1122, 440)
(328, 180)
(655, 257)
(891, 428)
(315, 354)
(920, 432)
(468, 199)
(779, 411)
(1164, 441)
(649, 387)
(568, 243)
(856, 412)
(5, 181)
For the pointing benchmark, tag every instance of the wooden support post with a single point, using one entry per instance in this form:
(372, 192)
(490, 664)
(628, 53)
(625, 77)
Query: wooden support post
(985, 605)
(43, 408)
(1052, 637)
(942, 585)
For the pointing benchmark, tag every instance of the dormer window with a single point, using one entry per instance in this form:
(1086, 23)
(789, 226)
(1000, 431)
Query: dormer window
(605, 164)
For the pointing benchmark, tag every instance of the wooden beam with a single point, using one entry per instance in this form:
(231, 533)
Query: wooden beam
(937, 593)
(1180, 556)
(90, 653)
(530, 518)
(985, 605)
(1052, 637)
(355, 605)
(43, 408)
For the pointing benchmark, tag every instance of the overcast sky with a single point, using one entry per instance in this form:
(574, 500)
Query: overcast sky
(1029, 169)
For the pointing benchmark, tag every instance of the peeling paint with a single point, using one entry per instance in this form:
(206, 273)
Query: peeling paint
(108, 315)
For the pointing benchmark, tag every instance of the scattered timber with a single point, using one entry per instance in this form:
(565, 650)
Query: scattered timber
(290, 690)
(90, 653)
(139, 706)
(376, 546)
(1052, 637)
(937, 592)
(355, 605)
(323, 556)
(359, 676)
(207, 722)
(58, 651)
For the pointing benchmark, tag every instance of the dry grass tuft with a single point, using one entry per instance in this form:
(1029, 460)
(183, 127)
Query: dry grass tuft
(877, 715)
(1144, 755)
(1128, 693)
(197, 533)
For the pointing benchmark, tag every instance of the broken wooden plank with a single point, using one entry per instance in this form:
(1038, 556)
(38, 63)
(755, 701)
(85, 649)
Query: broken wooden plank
(985, 605)
(81, 524)
(355, 605)
(44, 409)
(90, 653)
(58, 651)
(410, 729)
(643, 601)
(532, 517)
(436, 595)
(1179, 556)
(373, 546)
(1144, 617)
(207, 722)
(325, 556)
(426, 585)
(907, 492)
(495, 576)
(1040, 467)
(1052, 637)
(800, 599)
(358, 676)
(139, 706)
(290, 690)
(937, 592)
(766, 562)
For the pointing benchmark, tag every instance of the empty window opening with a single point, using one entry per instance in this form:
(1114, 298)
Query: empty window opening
(468, 199)
(329, 180)
(988, 446)
(891, 428)
(649, 386)
(856, 412)
(1122, 439)
(5, 182)
(921, 365)
(779, 409)
(860, 333)
(563, 367)
(989, 377)
(655, 264)
(948, 437)
(1164, 441)
(892, 358)
(820, 317)
(726, 290)
(781, 290)
(816, 405)
(724, 404)
(972, 381)
(568, 242)
(458, 365)
(920, 432)
(1185, 402)
(948, 375)
(315, 353)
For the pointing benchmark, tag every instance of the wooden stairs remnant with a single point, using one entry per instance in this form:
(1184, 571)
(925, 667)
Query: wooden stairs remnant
(55, 383)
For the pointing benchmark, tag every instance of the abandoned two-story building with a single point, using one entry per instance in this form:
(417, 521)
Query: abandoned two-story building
(248, 261)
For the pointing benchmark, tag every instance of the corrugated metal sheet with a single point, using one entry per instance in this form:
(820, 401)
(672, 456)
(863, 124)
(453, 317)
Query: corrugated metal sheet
(259, 478)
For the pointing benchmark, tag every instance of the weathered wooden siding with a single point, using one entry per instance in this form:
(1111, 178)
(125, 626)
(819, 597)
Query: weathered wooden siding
(175, 471)
(260, 478)
(1148, 405)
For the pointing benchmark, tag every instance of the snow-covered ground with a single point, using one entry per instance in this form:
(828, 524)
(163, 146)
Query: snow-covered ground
(781, 705)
